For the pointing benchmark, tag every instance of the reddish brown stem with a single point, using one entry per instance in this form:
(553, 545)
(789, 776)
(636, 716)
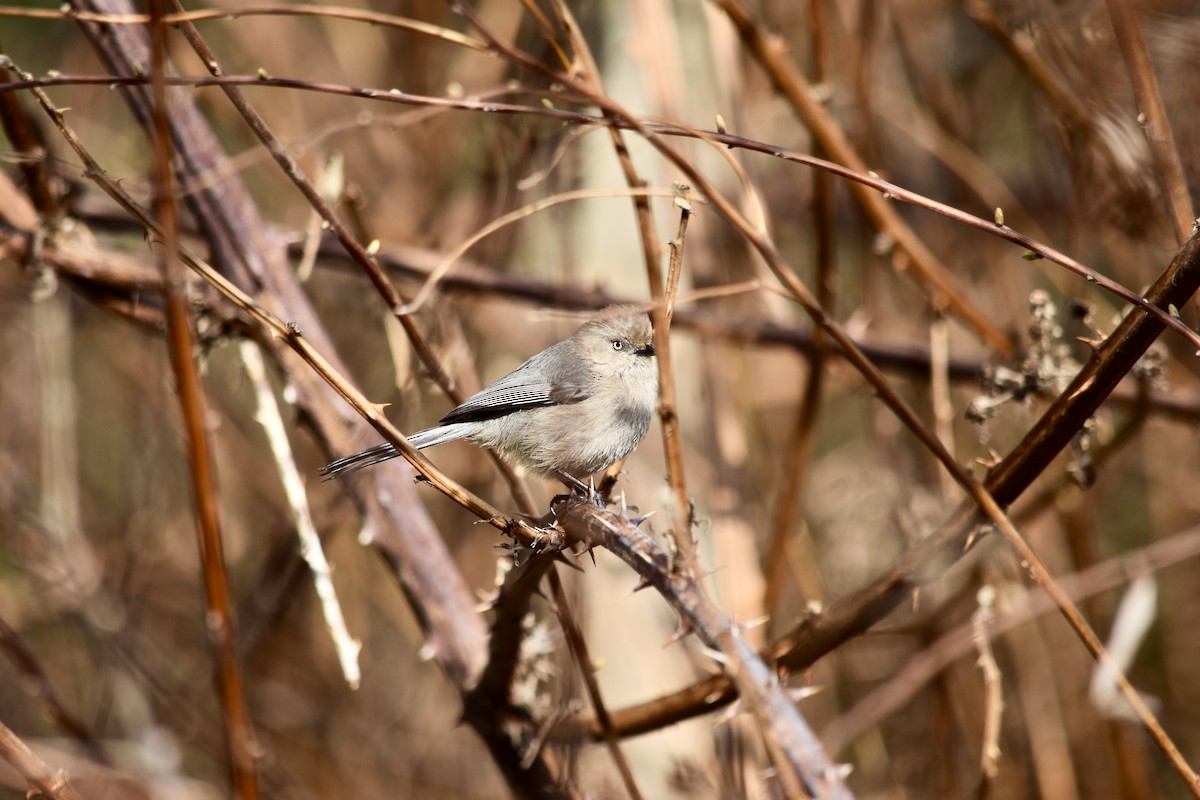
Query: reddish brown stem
(239, 732)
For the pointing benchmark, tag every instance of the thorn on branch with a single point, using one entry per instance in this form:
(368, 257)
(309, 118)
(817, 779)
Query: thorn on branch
(681, 630)
(638, 520)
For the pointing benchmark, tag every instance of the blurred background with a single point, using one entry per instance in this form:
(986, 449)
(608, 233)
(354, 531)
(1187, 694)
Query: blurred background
(802, 493)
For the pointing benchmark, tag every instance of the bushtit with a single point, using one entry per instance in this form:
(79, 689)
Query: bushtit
(574, 409)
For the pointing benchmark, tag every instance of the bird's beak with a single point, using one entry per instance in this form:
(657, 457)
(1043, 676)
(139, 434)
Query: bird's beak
(646, 349)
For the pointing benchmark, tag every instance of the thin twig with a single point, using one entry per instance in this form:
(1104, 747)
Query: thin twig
(452, 257)
(942, 405)
(993, 711)
(221, 625)
(672, 441)
(267, 415)
(675, 264)
(790, 496)
(1171, 176)
(54, 785)
(33, 155)
(587, 669)
(331, 12)
(42, 687)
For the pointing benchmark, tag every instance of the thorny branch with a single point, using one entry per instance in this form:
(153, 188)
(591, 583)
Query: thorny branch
(756, 684)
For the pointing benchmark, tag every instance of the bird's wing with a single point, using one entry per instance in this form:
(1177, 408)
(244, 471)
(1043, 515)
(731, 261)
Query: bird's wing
(541, 381)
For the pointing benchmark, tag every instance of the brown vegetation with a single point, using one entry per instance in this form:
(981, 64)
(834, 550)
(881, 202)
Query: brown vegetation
(921, 495)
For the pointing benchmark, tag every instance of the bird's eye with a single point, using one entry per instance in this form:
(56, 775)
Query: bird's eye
(618, 344)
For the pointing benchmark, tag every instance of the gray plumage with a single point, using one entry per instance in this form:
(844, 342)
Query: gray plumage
(576, 408)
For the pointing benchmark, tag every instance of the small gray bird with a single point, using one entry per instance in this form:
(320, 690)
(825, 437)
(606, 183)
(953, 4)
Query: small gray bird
(574, 409)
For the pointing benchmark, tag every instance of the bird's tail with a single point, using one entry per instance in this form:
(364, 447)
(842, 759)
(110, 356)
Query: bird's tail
(386, 451)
